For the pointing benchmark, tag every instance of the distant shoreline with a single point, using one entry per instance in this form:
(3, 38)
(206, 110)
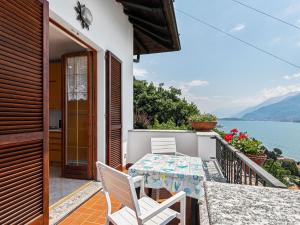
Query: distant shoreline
(241, 119)
(261, 131)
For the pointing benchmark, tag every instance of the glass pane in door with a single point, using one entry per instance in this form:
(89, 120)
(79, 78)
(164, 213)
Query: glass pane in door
(76, 111)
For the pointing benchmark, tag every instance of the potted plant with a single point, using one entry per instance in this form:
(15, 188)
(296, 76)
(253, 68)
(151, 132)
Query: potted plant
(251, 147)
(203, 122)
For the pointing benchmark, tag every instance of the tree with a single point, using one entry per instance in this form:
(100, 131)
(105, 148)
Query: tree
(161, 104)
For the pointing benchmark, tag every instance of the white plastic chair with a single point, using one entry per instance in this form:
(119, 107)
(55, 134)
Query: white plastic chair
(143, 211)
(165, 145)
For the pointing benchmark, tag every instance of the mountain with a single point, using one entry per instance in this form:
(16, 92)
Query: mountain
(263, 104)
(287, 109)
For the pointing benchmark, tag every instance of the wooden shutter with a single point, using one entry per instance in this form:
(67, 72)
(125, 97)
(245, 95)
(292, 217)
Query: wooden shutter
(113, 111)
(23, 112)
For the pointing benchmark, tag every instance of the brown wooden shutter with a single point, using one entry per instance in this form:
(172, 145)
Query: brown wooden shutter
(113, 111)
(23, 112)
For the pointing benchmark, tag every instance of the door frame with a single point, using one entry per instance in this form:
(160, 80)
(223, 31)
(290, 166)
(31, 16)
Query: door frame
(94, 93)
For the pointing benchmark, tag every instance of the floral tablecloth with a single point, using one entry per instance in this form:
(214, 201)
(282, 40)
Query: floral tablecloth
(175, 173)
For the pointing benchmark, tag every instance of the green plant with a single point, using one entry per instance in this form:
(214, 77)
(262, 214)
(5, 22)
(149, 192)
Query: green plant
(295, 180)
(291, 166)
(141, 121)
(169, 125)
(219, 132)
(245, 144)
(273, 154)
(204, 117)
(162, 104)
(275, 168)
(249, 146)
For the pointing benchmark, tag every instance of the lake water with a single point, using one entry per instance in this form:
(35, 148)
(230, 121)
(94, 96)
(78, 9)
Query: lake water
(283, 135)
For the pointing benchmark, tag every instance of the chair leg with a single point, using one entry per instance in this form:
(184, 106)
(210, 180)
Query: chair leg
(157, 194)
(183, 211)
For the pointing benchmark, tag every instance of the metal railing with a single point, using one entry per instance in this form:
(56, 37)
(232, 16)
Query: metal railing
(237, 168)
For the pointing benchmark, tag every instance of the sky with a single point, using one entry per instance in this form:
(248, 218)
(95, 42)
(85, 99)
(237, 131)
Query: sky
(222, 75)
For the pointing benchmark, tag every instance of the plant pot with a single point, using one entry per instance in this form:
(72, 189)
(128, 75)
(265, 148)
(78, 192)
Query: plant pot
(258, 159)
(203, 126)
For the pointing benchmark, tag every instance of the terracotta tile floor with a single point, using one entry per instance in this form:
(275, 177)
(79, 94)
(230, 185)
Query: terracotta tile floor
(92, 212)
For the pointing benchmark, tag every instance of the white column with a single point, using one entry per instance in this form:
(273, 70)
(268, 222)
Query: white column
(206, 145)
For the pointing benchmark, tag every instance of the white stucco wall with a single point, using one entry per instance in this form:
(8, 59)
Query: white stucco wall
(206, 145)
(139, 142)
(111, 31)
(198, 144)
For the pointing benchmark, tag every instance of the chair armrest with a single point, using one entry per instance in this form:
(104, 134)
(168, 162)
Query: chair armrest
(139, 182)
(181, 154)
(181, 196)
(137, 179)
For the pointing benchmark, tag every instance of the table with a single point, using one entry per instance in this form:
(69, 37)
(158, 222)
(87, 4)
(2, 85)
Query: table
(175, 173)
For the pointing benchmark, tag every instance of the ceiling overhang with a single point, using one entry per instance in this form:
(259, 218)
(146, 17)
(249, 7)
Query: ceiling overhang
(154, 23)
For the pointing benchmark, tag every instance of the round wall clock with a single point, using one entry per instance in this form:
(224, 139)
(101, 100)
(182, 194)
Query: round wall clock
(84, 15)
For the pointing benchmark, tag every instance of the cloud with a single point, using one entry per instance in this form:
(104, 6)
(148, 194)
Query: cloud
(280, 91)
(276, 40)
(140, 73)
(292, 77)
(238, 27)
(196, 83)
(187, 86)
(226, 106)
(293, 8)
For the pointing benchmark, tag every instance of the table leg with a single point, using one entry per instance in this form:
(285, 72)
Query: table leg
(195, 212)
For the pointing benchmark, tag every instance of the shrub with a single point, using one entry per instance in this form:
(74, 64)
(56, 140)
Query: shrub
(169, 125)
(275, 168)
(205, 117)
(141, 121)
(273, 154)
(291, 166)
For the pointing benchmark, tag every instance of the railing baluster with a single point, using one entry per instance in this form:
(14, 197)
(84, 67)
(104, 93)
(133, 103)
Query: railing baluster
(245, 173)
(237, 168)
(241, 172)
(231, 167)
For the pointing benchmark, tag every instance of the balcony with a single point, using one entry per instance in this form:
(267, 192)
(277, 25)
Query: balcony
(222, 162)
(237, 191)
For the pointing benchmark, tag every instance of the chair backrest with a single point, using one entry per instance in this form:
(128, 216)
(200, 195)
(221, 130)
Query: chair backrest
(163, 145)
(119, 185)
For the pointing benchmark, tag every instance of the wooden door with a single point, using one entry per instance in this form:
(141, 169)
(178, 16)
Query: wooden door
(77, 121)
(113, 111)
(24, 65)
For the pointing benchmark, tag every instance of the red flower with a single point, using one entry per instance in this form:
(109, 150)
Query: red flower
(234, 130)
(228, 137)
(242, 136)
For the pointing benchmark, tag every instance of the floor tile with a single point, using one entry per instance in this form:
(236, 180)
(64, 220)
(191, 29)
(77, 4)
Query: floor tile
(92, 212)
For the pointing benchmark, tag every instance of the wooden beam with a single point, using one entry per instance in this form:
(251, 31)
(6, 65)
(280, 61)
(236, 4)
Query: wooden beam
(140, 6)
(158, 39)
(136, 19)
(140, 43)
(168, 9)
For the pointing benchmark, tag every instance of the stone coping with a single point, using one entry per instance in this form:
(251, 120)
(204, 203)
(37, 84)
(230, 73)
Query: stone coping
(229, 204)
(162, 131)
(198, 133)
